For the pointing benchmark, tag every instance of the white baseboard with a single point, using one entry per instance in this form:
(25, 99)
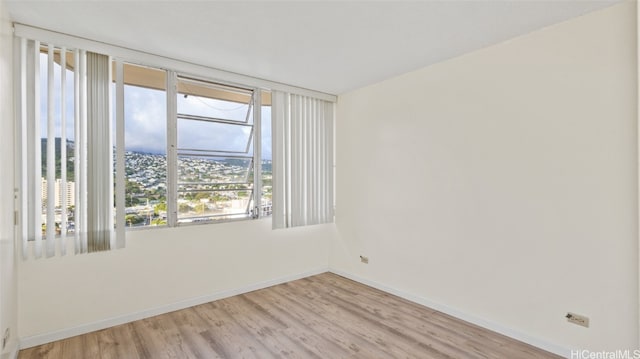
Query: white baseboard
(127, 318)
(536, 342)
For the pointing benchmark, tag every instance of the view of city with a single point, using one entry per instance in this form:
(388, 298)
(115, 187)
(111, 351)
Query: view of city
(208, 190)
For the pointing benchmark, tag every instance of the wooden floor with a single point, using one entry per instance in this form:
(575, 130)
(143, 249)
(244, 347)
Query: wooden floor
(324, 316)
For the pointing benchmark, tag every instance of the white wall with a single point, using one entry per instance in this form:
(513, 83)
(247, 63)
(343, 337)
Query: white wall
(161, 269)
(8, 290)
(502, 184)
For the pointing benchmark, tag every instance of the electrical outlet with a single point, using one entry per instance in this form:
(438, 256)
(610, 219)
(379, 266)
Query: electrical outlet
(364, 259)
(577, 319)
(5, 338)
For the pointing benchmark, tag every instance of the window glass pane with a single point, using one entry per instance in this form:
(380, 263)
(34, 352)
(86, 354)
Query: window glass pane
(214, 136)
(214, 101)
(145, 108)
(211, 187)
(215, 152)
(207, 169)
(228, 202)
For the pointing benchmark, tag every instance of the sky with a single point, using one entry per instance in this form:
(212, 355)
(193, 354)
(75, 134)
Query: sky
(145, 119)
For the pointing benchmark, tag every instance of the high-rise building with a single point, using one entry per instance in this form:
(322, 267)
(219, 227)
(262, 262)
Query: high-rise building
(70, 191)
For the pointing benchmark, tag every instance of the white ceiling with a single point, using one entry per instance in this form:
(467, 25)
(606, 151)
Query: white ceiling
(330, 46)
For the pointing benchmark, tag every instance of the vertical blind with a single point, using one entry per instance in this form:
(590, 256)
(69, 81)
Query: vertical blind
(99, 155)
(302, 137)
(53, 206)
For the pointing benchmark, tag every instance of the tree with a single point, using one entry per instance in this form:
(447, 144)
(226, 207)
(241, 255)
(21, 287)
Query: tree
(132, 219)
(201, 195)
(71, 213)
(160, 207)
(218, 198)
(158, 222)
(133, 190)
(184, 208)
(200, 208)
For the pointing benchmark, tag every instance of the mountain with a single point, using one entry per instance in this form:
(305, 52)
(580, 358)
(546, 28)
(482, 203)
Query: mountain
(130, 163)
(70, 156)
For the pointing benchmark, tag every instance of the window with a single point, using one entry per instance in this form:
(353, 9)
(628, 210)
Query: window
(107, 145)
(211, 174)
(215, 157)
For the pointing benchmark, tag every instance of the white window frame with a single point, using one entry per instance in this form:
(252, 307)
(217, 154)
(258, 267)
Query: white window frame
(172, 149)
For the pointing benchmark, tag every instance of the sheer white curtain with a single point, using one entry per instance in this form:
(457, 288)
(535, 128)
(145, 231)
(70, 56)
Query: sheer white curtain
(53, 207)
(302, 136)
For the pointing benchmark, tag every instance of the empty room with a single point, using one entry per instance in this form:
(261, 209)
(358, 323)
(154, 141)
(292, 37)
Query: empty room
(319, 179)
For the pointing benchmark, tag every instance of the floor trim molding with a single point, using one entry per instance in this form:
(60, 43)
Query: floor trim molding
(536, 342)
(40, 339)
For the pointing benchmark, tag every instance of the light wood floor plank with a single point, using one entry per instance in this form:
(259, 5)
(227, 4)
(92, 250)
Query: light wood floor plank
(381, 336)
(324, 316)
(73, 348)
(462, 334)
(189, 324)
(266, 328)
(418, 330)
(227, 337)
(175, 338)
(306, 316)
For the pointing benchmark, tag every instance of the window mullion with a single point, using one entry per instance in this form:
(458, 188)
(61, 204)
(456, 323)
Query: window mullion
(251, 105)
(172, 157)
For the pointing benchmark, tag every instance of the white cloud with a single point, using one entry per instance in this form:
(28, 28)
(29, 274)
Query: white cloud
(145, 119)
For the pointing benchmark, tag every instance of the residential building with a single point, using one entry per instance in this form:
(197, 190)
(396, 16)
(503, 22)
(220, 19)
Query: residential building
(70, 190)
